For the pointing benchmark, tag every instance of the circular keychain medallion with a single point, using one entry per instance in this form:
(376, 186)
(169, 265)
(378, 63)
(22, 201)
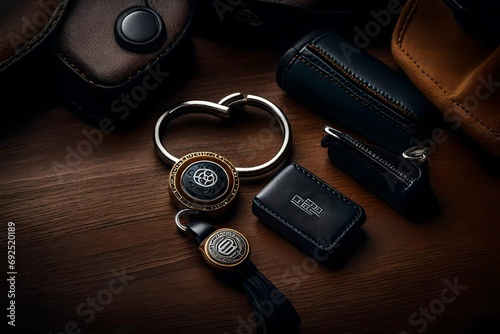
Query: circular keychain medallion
(204, 181)
(225, 249)
(207, 182)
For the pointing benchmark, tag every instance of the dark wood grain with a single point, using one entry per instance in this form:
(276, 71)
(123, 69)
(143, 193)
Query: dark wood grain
(109, 214)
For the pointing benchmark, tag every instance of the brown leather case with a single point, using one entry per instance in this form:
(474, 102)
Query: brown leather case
(458, 73)
(108, 84)
(27, 29)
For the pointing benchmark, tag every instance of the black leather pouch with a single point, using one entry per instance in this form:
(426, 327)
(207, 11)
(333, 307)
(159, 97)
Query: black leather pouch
(355, 90)
(401, 180)
(309, 213)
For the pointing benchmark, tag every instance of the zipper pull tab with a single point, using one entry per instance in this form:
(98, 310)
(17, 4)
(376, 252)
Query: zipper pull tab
(333, 132)
(418, 153)
(331, 135)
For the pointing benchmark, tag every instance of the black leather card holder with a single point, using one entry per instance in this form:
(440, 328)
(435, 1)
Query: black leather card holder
(308, 212)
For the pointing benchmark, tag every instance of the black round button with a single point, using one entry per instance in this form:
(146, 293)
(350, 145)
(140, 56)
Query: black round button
(140, 29)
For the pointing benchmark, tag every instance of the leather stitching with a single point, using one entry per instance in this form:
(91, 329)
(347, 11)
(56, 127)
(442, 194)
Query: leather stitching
(401, 37)
(151, 63)
(343, 198)
(336, 82)
(37, 40)
(367, 98)
(386, 95)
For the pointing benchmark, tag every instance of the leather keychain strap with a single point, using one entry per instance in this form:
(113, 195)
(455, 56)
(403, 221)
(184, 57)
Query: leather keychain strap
(206, 183)
(274, 313)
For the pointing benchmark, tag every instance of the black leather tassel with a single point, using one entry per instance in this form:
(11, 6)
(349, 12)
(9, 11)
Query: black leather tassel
(274, 313)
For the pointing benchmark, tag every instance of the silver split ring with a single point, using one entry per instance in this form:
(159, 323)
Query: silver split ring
(223, 110)
(178, 218)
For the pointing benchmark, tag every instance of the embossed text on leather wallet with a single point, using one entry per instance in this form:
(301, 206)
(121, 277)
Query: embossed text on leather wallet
(308, 212)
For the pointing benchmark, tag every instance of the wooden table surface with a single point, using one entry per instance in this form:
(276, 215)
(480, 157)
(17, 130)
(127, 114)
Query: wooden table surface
(97, 250)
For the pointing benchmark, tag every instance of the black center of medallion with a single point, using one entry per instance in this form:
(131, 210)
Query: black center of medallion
(205, 181)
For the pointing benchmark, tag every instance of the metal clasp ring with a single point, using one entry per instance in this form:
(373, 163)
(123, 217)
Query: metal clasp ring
(179, 215)
(421, 154)
(223, 109)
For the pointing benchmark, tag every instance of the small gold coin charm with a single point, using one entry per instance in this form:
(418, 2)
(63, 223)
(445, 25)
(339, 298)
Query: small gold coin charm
(225, 249)
(204, 182)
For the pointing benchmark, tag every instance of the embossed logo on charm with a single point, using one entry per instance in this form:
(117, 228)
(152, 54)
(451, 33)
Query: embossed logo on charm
(205, 178)
(226, 248)
(205, 181)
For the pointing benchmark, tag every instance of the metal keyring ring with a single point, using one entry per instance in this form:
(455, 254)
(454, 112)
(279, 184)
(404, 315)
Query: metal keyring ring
(179, 215)
(223, 109)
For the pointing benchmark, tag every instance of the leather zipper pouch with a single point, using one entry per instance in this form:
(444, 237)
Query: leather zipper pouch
(401, 180)
(308, 212)
(355, 90)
